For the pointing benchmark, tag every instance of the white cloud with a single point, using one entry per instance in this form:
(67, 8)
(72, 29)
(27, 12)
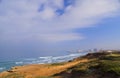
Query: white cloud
(48, 13)
(56, 37)
(21, 19)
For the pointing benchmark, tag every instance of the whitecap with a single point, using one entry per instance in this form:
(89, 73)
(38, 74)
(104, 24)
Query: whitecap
(20, 62)
(2, 68)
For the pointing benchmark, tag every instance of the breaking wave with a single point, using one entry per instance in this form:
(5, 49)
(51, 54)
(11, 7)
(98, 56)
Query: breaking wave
(40, 60)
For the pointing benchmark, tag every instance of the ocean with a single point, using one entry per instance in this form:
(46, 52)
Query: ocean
(6, 65)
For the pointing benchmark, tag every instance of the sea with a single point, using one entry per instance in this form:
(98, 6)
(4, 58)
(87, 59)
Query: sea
(6, 65)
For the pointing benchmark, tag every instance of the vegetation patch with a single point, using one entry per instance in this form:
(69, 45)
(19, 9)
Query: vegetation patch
(110, 63)
(110, 66)
(57, 64)
(85, 67)
(101, 65)
(111, 57)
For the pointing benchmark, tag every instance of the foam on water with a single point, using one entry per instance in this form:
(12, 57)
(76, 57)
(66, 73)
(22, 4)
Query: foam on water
(40, 60)
(2, 68)
(20, 62)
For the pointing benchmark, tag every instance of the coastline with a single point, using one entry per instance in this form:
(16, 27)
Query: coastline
(34, 70)
(6, 65)
(91, 65)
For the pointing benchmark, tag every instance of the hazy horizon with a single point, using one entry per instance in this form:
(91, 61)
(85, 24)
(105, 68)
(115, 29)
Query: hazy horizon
(33, 28)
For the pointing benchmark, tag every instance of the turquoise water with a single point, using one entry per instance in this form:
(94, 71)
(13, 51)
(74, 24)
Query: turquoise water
(6, 65)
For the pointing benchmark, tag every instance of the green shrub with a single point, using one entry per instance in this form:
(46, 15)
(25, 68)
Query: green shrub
(114, 58)
(56, 64)
(110, 66)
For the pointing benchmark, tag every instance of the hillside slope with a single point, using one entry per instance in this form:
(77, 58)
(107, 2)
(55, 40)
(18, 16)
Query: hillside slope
(92, 65)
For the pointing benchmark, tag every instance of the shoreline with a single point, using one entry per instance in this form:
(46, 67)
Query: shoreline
(91, 65)
(7, 65)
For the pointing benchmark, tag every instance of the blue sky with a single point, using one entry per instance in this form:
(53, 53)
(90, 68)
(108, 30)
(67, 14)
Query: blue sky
(32, 28)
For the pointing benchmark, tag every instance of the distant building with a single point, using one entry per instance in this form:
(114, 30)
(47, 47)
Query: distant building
(109, 51)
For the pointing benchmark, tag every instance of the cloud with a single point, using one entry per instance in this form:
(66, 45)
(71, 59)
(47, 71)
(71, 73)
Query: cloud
(23, 19)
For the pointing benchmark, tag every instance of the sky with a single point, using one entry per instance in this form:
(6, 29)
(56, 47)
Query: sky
(33, 28)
